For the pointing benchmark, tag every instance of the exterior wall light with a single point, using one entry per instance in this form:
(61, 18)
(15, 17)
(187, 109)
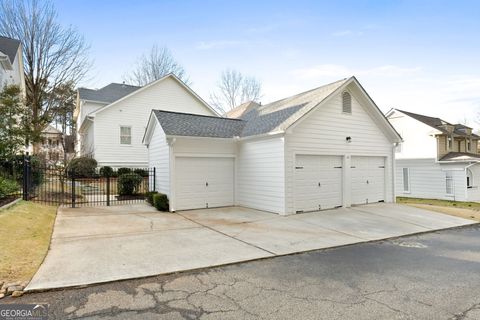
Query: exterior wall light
(348, 139)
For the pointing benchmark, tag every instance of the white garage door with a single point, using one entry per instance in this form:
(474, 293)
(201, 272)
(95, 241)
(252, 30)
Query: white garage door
(203, 182)
(368, 179)
(318, 182)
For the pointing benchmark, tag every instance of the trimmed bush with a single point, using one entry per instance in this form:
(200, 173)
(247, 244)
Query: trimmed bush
(149, 196)
(160, 202)
(141, 172)
(121, 171)
(106, 171)
(128, 184)
(82, 167)
(7, 187)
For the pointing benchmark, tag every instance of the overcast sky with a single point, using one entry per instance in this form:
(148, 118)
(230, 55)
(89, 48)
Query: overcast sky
(421, 56)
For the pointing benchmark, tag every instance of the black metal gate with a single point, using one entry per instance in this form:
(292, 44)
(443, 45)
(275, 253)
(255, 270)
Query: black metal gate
(58, 186)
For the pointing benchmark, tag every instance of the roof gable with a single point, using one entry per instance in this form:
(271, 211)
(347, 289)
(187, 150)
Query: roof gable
(141, 89)
(275, 117)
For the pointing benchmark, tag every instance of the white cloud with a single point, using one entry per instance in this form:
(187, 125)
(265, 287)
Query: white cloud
(222, 44)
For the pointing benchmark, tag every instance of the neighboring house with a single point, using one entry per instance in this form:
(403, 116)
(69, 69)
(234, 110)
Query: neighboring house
(11, 63)
(437, 159)
(53, 146)
(111, 121)
(325, 148)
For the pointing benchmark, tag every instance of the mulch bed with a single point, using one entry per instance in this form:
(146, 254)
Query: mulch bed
(7, 200)
(132, 197)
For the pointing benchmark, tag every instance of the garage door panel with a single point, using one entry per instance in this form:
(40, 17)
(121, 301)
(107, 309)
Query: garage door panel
(368, 179)
(318, 182)
(204, 181)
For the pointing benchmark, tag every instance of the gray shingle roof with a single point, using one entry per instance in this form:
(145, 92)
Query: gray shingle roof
(107, 94)
(273, 117)
(460, 156)
(437, 124)
(9, 47)
(194, 125)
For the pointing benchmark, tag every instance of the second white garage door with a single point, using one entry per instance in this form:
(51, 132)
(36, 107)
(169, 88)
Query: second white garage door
(318, 182)
(368, 179)
(203, 182)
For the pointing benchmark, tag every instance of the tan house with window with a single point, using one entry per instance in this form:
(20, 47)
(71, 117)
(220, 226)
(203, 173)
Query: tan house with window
(437, 159)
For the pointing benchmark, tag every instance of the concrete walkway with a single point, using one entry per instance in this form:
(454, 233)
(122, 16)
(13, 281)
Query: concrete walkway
(101, 244)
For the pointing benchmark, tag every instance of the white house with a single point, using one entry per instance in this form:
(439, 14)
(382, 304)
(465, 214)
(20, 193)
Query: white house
(111, 120)
(437, 160)
(11, 63)
(324, 148)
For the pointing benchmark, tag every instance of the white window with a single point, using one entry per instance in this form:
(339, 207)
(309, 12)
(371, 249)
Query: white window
(449, 182)
(469, 145)
(450, 143)
(125, 135)
(469, 178)
(406, 180)
(346, 102)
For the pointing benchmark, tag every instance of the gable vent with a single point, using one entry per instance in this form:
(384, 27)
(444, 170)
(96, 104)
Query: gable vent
(346, 102)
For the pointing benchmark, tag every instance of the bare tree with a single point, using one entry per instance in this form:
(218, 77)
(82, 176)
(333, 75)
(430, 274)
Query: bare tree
(156, 64)
(234, 89)
(52, 54)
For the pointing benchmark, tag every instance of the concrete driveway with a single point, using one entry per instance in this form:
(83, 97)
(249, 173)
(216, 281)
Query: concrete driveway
(101, 244)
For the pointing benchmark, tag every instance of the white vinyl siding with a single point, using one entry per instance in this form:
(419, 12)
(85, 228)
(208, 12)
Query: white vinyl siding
(324, 132)
(135, 111)
(159, 158)
(419, 140)
(427, 179)
(406, 180)
(260, 175)
(125, 135)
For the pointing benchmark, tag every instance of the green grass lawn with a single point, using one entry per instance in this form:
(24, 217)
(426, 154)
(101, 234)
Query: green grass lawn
(467, 210)
(26, 229)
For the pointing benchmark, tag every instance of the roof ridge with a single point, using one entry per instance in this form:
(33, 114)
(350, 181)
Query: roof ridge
(304, 92)
(422, 115)
(198, 115)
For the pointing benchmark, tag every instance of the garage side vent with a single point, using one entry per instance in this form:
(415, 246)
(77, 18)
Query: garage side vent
(346, 102)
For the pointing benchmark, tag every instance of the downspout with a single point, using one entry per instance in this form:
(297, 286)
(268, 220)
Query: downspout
(394, 172)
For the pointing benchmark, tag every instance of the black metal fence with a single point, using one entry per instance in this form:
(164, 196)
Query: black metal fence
(55, 185)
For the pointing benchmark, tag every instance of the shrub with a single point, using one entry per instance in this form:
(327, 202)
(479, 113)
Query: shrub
(160, 202)
(13, 168)
(141, 172)
(149, 196)
(121, 171)
(7, 187)
(82, 167)
(106, 171)
(128, 184)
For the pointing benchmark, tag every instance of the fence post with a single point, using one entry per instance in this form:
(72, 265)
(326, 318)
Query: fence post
(153, 180)
(73, 188)
(108, 189)
(25, 177)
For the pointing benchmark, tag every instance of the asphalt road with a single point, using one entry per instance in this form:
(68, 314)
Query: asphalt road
(430, 276)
